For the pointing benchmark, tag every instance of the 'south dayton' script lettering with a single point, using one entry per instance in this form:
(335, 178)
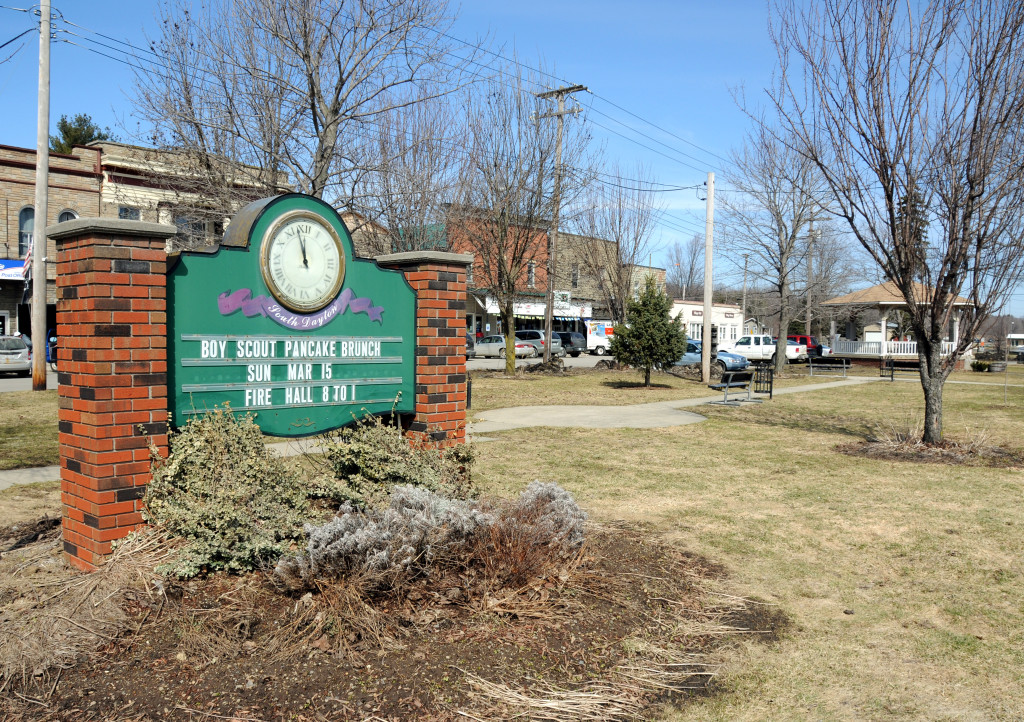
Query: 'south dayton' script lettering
(242, 299)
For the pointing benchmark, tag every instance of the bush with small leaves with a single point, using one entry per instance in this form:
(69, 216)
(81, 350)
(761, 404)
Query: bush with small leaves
(237, 505)
(421, 532)
(370, 458)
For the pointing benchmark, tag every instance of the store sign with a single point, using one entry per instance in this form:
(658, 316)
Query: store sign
(12, 270)
(284, 322)
(566, 309)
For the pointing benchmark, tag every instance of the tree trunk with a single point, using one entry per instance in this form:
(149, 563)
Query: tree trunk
(647, 377)
(508, 321)
(932, 380)
(781, 342)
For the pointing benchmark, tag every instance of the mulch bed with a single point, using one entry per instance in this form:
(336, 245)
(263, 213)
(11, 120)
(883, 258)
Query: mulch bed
(949, 452)
(630, 627)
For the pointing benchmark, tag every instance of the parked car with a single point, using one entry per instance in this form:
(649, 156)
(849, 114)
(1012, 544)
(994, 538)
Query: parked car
(574, 343)
(14, 356)
(723, 359)
(495, 346)
(814, 347)
(470, 346)
(537, 339)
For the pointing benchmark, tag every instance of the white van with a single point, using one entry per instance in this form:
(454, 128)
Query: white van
(599, 335)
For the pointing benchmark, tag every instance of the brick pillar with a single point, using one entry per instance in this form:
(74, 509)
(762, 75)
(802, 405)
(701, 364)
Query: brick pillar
(111, 375)
(439, 280)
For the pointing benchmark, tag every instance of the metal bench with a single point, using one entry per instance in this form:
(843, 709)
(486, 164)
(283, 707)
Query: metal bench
(889, 367)
(742, 385)
(828, 365)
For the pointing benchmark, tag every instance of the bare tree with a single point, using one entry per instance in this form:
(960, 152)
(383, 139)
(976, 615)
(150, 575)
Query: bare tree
(503, 208)
(685, 274)
(776, 196)
(286, 87)
(416, 159)
(919, 100)
(615, 223)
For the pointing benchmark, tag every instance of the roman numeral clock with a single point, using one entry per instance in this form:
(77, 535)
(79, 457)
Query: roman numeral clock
(281, 320)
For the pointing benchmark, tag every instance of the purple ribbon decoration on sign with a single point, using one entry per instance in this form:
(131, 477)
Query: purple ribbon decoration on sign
(228, 303)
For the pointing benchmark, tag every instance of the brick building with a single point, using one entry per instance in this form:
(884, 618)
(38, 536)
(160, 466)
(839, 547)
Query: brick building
(103, 179)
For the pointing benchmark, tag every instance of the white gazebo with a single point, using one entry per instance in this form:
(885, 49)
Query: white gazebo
(886, 298)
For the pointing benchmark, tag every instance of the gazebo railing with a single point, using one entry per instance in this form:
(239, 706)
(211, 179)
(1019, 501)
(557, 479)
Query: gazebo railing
(842, 347)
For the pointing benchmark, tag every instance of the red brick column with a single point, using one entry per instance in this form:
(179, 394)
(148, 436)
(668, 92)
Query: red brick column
(439, 280)
(111, 375)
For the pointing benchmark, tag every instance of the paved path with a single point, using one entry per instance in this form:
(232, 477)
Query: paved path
(293, 447)
(639, 416)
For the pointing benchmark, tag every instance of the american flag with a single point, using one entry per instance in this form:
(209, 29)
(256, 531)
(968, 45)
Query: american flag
(26, 271)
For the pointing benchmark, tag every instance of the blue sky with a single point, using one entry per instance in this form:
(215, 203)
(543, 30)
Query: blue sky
(672, 63)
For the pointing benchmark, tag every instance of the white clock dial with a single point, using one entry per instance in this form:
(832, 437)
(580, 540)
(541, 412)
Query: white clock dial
(303, 263)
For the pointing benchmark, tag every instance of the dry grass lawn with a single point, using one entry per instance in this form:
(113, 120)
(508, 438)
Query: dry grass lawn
(28, 429)
(904, 581)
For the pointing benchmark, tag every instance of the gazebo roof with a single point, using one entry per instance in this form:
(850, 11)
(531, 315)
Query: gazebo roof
(884, 294)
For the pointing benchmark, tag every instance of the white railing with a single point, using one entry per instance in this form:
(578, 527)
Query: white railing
(842, 347)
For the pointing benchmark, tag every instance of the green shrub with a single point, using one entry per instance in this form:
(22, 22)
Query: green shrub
(979, 366)
(237, 505)
(370, 458)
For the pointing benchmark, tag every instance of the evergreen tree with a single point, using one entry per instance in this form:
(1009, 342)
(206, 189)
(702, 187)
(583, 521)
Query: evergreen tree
(76, 131)
(650, 338)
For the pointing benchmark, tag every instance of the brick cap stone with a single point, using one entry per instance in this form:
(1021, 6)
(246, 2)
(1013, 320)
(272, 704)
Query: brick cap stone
(409, 258)
(110, 226)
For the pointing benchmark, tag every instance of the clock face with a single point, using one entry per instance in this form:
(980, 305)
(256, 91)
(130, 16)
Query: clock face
(302, 261)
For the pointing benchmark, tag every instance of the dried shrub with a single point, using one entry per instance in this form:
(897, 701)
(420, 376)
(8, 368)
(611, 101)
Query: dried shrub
(237, 505)
(370, 458)
(420, 533)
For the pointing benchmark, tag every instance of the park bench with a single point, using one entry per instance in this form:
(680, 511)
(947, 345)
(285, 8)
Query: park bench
(759, 380)
(828, 365)
(889, 367)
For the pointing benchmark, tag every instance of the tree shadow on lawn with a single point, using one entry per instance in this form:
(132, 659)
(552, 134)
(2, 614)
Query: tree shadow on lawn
(844, 425)
(635, 385)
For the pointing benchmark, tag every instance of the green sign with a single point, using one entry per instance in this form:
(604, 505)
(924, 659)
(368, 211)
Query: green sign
(282, 320)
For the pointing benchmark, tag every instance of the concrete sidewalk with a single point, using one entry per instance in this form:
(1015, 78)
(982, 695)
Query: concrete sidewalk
(292, 447)
(639, 416)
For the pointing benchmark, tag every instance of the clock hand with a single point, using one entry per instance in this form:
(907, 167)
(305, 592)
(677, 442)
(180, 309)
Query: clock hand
(302, 245)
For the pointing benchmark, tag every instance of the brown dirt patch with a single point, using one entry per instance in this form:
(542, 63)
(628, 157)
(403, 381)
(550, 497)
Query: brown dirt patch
(949, 452)
(629, 627)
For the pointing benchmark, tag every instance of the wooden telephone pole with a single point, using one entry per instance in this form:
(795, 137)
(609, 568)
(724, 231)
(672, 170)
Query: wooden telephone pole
(560, 114)
(39, 244)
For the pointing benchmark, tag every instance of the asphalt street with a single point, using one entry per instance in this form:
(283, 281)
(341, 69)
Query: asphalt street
(497, 364)
(10, 382)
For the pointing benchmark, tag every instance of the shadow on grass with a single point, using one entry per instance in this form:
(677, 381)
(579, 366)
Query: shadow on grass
(635, 385)
(847, 426)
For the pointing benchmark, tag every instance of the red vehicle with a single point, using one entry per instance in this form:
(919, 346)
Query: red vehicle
(814, 347)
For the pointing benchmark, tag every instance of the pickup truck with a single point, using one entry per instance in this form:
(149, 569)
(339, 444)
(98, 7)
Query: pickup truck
(762, 348)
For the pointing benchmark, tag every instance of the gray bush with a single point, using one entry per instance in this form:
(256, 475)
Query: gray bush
(420, 530)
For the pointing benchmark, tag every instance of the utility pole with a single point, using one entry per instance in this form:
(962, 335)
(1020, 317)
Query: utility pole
(709, 282)
(743, 303)
(560, 114)
(39, 220)
(810, 275)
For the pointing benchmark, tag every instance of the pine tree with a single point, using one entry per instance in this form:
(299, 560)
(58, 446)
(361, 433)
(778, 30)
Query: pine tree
(78, 130)
(650, 338)
(912, 229)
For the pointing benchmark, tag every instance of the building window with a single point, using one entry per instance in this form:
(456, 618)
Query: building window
(26, 222)
(732, 333)
(531, 274)
(66, 216)
(127, 213)
(575, 275)
(190, 228)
